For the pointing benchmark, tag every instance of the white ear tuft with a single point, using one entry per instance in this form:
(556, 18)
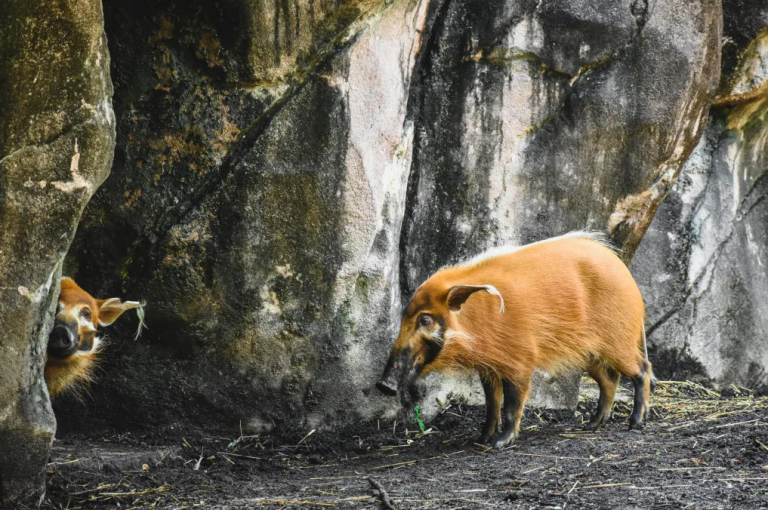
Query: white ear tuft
(111, 309)
(140, 315)
(460, 293)
(493, 290)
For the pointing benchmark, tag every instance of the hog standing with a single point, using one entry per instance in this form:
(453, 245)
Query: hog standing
(566, 303)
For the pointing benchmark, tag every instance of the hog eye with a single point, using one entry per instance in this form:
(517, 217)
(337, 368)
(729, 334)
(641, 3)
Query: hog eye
(426, 321)
(86, 314)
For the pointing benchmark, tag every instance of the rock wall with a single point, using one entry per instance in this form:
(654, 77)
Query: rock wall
(538, 118)
(702, 264)
(276, 198)
(57, 133)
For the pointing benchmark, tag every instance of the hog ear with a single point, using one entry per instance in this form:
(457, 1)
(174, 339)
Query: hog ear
(111, 309)
(460, 293)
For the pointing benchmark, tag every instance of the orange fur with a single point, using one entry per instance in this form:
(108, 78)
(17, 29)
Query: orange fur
(81, 312)
(569, 303)
(70, 373)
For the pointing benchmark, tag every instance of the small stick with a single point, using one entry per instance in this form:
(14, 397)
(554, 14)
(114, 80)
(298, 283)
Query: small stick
(407, 462)
(761, 444)
(574, 486)
(738, 479)
(386, 502)
(282, 502)
(581, 437)
(398, 464)
(239, 455)
(305, 437)
(603, 486)
(734, 424)
(335, 477)
(681, 426)
(717, 468)
(659, 487)
(550, 456)
(78, 460)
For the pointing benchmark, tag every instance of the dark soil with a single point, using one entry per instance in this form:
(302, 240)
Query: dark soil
(701, 450)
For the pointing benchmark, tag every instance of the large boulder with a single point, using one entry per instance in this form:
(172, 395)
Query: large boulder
(57, 134)
(702, 264)
(276, 200)
(259, 217)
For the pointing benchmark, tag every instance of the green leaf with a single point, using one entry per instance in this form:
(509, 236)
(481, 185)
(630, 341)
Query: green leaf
(418, 420)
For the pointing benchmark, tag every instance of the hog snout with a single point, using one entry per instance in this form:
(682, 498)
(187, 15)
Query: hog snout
(393, 373)
(62, 341)
(390, 380)
(387, 388)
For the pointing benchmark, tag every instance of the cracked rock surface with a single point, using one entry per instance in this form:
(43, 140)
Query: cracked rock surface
(702, 263)
(57, 134)
(286, 175)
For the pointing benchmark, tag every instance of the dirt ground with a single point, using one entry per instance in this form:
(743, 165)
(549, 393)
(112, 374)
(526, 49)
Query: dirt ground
(700, 450)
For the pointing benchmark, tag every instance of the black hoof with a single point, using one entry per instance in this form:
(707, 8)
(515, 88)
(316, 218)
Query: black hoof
(597, 421)
(501, 442)
(635, 423)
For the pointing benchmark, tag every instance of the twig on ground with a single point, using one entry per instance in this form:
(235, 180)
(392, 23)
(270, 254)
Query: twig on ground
(550, 456)
(283, 502)
(737, 423)
(407, 462)
(716, 468)
(386, 502)
(305, 437)
(228, 454)
(603, 486)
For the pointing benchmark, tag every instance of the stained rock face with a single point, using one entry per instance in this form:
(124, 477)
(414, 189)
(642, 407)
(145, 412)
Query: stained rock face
(56, 143)
(277, 200)
(541, 118)
(702, 264)
(272, 271)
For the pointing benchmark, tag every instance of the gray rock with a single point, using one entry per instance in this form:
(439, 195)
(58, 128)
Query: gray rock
(549, 117)
(743, 20)
(272, 277)
(702, 264)
(56, 144)
(277, 202)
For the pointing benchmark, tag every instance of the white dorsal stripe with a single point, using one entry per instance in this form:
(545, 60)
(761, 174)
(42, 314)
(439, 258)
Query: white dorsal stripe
(498, 251)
